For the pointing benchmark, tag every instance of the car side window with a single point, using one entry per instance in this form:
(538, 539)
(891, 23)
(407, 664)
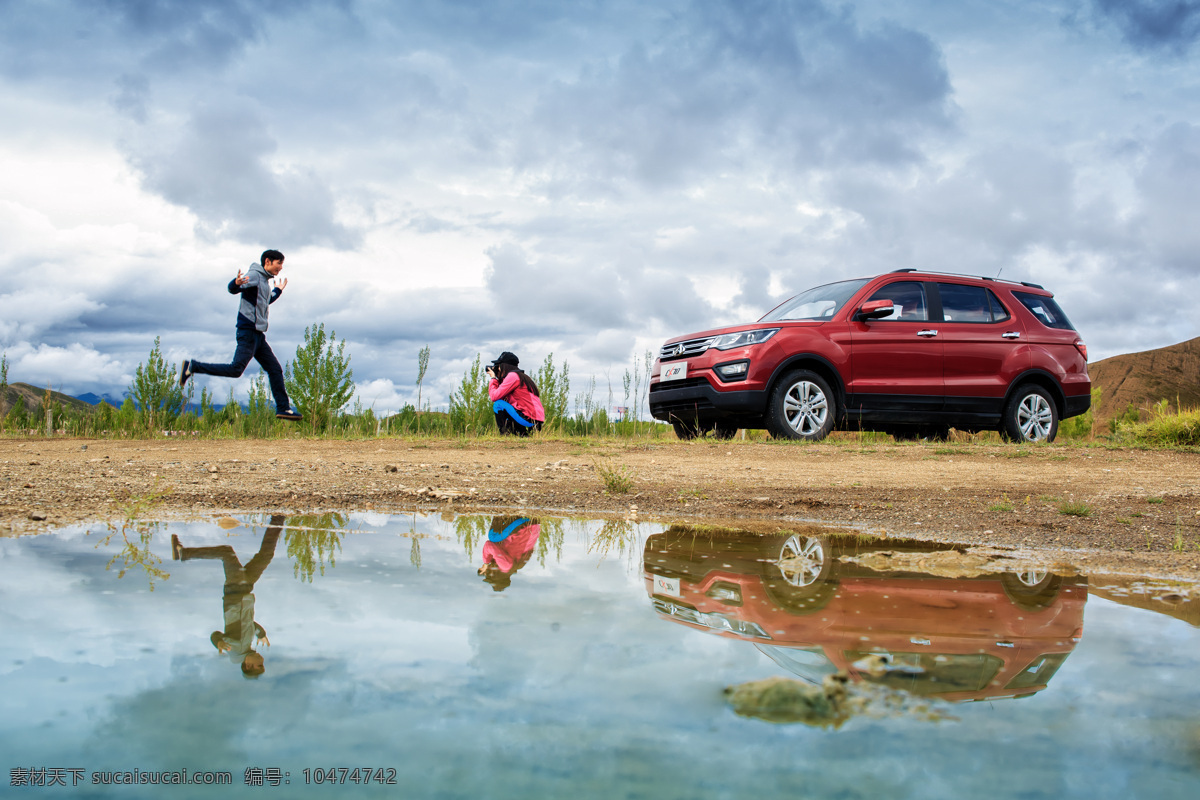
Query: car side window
(1046, 310)
(962, 303)
(908, 298)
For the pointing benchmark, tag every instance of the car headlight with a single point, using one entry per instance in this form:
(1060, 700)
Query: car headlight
(728, 341)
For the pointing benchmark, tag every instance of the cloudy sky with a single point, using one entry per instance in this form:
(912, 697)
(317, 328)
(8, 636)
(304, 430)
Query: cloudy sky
(584, 179)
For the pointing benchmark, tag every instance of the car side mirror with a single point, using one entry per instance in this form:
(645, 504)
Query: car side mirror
(874, 309)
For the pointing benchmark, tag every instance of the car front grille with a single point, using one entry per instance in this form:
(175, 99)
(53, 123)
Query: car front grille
(685, 349)
(686, 383)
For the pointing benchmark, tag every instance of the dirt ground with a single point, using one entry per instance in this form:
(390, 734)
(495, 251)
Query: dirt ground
(1108, 511)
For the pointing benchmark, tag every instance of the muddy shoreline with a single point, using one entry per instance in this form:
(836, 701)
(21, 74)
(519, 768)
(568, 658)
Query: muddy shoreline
(1114, 511)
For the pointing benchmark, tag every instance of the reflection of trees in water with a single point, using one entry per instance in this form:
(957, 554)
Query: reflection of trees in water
(614, 533)
(470, 532)
(414, 553)
(314, 540)
(551, 539)
(134, 550)
(136, 535)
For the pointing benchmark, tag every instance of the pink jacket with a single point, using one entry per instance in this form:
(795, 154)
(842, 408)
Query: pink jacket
(505, 554)
(518, 395)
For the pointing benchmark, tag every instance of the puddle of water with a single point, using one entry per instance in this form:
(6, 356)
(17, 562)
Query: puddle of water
(513, 657)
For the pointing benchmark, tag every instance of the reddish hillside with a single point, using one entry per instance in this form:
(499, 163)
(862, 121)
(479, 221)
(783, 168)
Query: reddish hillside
(1170, 373)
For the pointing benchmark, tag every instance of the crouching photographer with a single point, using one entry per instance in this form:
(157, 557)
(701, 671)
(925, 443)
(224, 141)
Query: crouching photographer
(514, 396)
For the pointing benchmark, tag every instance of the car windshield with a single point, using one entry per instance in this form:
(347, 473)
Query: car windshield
(819, 303)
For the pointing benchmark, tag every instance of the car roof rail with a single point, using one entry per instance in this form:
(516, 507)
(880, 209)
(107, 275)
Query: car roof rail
(973, 277)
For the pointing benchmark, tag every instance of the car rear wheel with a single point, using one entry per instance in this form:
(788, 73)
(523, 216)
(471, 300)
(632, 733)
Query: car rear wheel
(801, 407)
(1031, 416)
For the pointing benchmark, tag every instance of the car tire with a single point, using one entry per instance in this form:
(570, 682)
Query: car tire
(1031, 590)
(685, 429)
(802, 406)
(723, 429)
(1030, 416)
(796, 573)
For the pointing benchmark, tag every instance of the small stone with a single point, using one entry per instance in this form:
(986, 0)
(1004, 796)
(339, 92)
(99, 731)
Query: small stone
(37, 516)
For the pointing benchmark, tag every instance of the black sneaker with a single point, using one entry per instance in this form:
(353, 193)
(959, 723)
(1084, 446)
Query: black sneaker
(185, 372)
(288, 414)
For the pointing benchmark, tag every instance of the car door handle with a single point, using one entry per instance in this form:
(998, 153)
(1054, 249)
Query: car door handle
(1010, 335)
(927, 333)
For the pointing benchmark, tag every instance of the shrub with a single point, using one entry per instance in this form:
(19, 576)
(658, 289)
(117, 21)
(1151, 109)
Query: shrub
(320, 381)
(156, 390)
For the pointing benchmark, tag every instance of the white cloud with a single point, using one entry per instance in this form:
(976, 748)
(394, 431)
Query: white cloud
(585, 180)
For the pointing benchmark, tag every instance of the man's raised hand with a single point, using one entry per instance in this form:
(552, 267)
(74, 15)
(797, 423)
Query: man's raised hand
(241, 280)
(280, 284)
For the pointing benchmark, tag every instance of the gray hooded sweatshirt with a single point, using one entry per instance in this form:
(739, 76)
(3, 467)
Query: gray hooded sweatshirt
(257, 295)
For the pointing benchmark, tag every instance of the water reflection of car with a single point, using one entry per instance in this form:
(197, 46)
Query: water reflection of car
(798, 599)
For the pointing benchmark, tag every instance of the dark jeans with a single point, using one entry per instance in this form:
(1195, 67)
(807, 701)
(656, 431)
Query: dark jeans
(240, 579)
(251, 344)
(509, 420)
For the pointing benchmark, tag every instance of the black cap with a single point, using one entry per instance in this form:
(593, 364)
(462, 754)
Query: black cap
(506, 358)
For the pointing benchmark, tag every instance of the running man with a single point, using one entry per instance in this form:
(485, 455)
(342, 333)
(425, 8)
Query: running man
(258, 289)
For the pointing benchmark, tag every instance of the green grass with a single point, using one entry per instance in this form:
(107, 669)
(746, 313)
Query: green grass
(1073, 508)
(617, 479)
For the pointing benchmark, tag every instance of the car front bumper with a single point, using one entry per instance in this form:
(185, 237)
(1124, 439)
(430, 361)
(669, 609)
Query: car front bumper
(695, 398)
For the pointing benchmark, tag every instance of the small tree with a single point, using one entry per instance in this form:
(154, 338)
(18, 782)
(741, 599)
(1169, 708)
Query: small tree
(156, 389)
(422, 365)
(48, 407)
(554, 388)
(320, 380)
(470, 408)
(3, 387)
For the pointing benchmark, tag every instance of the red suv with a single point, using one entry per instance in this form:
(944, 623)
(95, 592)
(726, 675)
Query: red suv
(907, 353)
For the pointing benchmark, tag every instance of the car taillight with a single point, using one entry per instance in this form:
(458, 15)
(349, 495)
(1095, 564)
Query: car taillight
(1082, 348)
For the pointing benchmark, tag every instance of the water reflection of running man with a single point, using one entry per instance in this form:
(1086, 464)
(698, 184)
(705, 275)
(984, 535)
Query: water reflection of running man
(241, 630)
(510, 543)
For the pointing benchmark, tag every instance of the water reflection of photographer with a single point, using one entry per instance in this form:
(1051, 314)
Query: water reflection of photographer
(510, 543)
(241, 630)
(515, 398)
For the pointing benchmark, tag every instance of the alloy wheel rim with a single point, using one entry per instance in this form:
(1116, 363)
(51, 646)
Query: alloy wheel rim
(801, 561)
(805, 408)
(1034, 418)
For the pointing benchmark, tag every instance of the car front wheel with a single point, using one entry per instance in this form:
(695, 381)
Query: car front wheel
(801, 407)
(1031, 416)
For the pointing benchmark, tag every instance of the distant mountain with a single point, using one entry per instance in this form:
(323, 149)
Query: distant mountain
(33, 397)
(1170, 373)
(86, 402)
(94, 399)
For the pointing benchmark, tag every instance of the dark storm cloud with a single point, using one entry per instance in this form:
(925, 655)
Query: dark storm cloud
(731, 82)
(93, 41)
(217, 166)
(1172, 25)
